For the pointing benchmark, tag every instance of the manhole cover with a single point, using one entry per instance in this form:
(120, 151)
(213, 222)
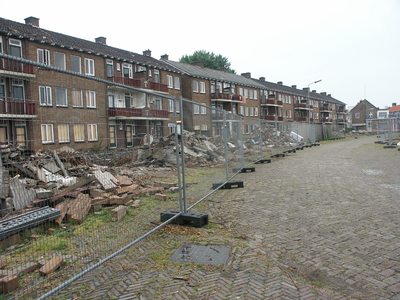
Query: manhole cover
(208, 255)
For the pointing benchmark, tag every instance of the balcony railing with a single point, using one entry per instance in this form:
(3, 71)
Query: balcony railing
(326, 120)
(16, 66)
(340, 121)
(229, 116)
(271, 102)
(302, 106)
(325, 108)
(137, 112)
(302, 119)
(133, 82)
(223, 96)
(17, 108)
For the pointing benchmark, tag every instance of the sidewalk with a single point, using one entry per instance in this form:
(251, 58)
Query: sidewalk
(322, 223)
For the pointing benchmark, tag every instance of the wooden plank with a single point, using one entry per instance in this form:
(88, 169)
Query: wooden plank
(59, 163)
(80, 183)
(52, 265)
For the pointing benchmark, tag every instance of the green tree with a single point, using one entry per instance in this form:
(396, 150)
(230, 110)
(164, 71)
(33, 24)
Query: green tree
(210, 60)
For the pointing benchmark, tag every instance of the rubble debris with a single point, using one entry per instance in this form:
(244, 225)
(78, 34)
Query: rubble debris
(105, 180)
(79, 208)
(118, 212)
(21, 195)
(53, 264)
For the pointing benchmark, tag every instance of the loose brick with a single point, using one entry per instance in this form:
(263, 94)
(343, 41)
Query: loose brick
(9, 283)
(118, 213)
(52, 265)
(161, 197)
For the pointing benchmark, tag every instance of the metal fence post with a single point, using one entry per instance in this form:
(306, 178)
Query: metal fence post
(183, 156)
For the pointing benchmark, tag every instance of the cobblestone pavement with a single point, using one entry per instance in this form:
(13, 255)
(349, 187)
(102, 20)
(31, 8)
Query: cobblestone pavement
(322, 223)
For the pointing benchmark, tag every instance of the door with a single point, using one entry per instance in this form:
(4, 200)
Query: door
(113, 136)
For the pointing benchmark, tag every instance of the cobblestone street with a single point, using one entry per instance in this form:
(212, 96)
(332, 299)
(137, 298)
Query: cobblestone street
(322, 223)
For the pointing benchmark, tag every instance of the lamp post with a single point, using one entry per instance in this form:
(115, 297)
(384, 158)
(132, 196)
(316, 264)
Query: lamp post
(308, 90)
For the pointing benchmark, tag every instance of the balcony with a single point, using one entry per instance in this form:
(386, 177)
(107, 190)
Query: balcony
(268, 118)
(18, 109)
(340, 121)
(271, 102)
(326, 120)
(341, 111)
(302, 106)
(302, 119)
(140, 113)
(226, 97)
(12, 66)
(219, 116)
(137, 83)
(325, 108)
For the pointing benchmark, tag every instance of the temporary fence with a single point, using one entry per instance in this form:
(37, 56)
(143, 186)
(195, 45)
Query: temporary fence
(114, 155)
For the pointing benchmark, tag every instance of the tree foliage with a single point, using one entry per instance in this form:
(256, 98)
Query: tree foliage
(210, 60)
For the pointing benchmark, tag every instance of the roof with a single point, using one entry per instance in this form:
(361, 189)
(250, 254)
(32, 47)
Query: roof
(20, 30)
(211, 74)
(394, 108)
(294, 91)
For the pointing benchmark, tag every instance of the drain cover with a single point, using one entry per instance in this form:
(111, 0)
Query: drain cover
(207, 255)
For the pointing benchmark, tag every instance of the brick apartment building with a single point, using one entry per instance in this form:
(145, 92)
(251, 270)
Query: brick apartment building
(85, 94)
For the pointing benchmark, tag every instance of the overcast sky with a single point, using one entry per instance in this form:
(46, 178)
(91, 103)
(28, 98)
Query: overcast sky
(352, 45)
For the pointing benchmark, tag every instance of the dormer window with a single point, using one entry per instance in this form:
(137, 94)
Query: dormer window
(15, 48)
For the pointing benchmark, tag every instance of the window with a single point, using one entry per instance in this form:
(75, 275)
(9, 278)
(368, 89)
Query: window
(203, 127)
(170, 105)
(1, 44)
(233, 89)
(18, 90)
(195, 86)
(89, 66)
(76, 64)
(2, 91)
(59, 60)
(111, 101)
(251, 94)
(177, 83)
(141, 69)
(92, 132)
(219, 87)
(156, 76)
(251, 111)
(255, 95)
(15, 48)
(47, 134)
(63, 133)
(91, 99)
(241, 91)
(357, 115)
(150, 74)
(196, 109)
(3, 134)
(203, 110)
(170, 82)
(246, 93)
(256, 111)
(202, 87)
(212, 87)
(77, 100)
(127, 70)
(61, 97)
(45, 97)
(110, 68)
(20, 132)
(241, 110)
(158, 104)
(290, 114)
(246, 111)
(79, 134)
(43, 56)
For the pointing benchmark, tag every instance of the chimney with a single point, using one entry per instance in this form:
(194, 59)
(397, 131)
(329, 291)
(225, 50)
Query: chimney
(101, 40)
(147, 52)
(199, 64)
(246, 75)
(294, 86)
(314, 91)
(306, 89)
(323, 93)
(165, 57)
(329, 95)
(32, 21)
(394, 104)
(280, 82)
(262, 78)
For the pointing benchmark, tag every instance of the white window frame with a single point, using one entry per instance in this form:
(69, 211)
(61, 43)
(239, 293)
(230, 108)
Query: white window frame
(81, 98)
(246, 93)
(171, 105)
(92, 130)
(256, 111)
(156, 76)
(195, 86)
(90, 99)
(170, 82)
(196, 109)
(129, 68)
(43, 56)
(246, 111)
(110, 62)
(203, 127)
(1, 44)
(255, 95)
(251, 111)
(67, 133)
(241, 91)
(203, 110)
(45, 91)
(62, 56)
(47, 139)
(89, 67)
(357, 115)
(242, 110)
(66, 97)
(177, 83)
(202, 87)
(16, 43)
(251, 94)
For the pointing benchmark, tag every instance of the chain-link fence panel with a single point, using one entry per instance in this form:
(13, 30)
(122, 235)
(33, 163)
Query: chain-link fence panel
(86, 165)
(268, 136)
(252, 139)
(283, 135)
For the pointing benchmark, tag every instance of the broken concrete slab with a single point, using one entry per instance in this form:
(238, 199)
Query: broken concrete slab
(79, 208)
(21, 195)
(105, 179)
(118, 212)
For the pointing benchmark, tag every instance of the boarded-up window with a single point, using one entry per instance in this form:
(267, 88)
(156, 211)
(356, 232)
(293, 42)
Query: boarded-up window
(63, 133)
(79, 134)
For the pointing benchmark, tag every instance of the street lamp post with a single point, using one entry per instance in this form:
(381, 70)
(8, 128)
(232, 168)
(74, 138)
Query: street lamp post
(309, 105)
